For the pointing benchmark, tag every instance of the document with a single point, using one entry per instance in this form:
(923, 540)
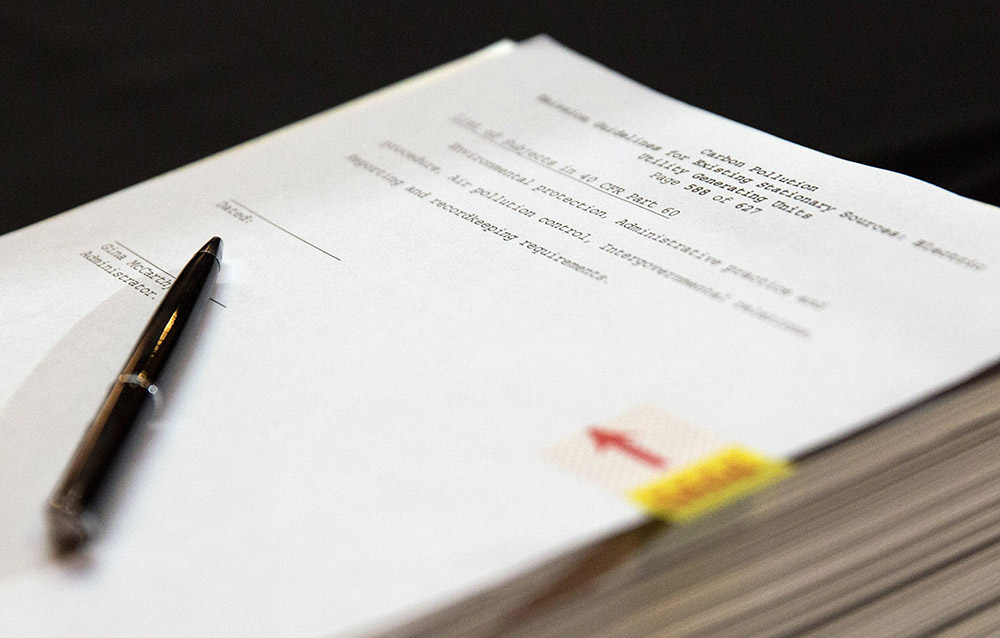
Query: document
(422, 292)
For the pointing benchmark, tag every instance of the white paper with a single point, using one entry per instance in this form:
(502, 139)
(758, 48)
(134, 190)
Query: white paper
(356, 434)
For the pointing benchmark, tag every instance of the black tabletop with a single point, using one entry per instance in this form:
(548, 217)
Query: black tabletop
(98, 96)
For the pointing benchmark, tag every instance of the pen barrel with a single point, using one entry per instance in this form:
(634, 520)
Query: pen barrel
(164, 329)
(100, 446)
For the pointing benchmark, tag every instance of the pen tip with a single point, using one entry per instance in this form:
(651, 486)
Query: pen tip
(213, 247)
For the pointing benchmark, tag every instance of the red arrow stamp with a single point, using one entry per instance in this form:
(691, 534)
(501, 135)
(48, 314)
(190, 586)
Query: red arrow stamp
(633, 449)
(614, 439)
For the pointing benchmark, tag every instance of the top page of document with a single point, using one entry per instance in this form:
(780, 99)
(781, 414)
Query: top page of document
(424, 290)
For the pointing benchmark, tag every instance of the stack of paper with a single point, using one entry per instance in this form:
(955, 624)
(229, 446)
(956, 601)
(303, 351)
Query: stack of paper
(891, 533)
(458, 322)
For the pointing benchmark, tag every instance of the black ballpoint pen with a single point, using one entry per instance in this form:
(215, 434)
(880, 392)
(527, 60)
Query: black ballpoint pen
(71, 507)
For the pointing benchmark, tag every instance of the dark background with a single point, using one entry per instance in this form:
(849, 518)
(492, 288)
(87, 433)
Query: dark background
(98, 96)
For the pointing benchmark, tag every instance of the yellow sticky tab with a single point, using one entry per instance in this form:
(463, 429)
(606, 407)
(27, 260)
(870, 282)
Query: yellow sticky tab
(709, 483)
